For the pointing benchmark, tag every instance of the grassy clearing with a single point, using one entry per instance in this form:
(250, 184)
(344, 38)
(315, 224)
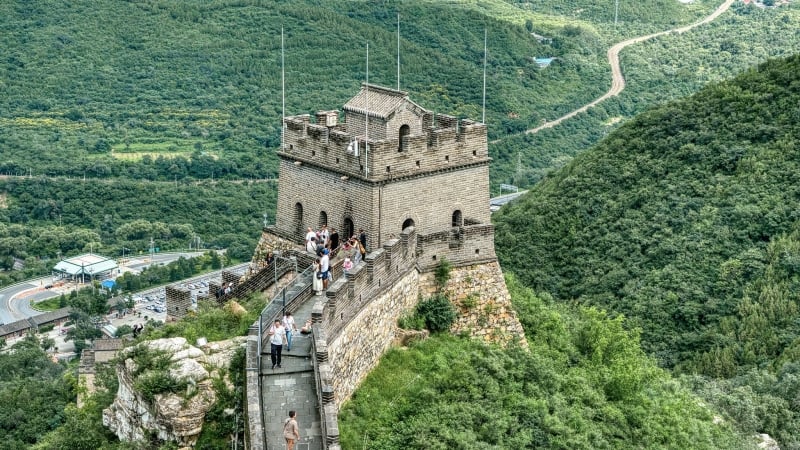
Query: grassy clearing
(135, 151)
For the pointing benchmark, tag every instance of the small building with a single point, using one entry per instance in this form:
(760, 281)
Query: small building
(57, 318)
(87, 266)
(15, 329)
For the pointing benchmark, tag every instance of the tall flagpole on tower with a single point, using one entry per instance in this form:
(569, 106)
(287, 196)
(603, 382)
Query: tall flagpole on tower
(398, 51)
(366, 120)
(485, 34)
(283, 92)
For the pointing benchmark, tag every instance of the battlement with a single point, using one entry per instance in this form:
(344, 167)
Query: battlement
(447, 144)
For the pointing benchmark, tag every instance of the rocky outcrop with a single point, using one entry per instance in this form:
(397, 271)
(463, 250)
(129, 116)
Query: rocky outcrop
(178, 416)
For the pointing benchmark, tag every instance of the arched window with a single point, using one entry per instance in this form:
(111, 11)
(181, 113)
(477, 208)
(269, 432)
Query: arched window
(298, 219)
(348, 227)
(323, 218)
(408, 223)
(405, 130)
(457, 219)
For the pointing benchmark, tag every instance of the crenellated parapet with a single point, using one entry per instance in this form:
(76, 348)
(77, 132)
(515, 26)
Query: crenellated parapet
(449, 144)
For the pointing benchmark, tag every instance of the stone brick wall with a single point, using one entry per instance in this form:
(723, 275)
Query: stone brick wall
(178, 301)
(320, 190)
(349, 294)
(480, 294)
(460, 245)
(456, 143)
(431, 200)
(367, 335)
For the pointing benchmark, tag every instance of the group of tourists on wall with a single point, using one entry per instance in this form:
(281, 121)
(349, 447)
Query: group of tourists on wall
(326, 244)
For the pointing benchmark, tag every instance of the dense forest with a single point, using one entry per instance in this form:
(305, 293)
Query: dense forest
(685, 221)
(46, 218)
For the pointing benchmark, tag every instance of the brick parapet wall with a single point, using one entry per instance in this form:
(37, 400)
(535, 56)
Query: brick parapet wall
(349, 294)
(452, 143)
(178, 302)
(461, 246)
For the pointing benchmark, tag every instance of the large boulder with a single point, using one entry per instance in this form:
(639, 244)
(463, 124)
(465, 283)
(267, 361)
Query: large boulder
(170, 416)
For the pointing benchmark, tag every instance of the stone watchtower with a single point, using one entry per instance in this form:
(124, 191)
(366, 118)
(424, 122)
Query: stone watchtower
(389, 164)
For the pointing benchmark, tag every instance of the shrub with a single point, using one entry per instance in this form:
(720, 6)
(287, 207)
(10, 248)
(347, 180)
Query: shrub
(442, 273)
(411, 321)
(438, 313)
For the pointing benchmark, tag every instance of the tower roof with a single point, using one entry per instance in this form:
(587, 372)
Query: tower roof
(383, 101)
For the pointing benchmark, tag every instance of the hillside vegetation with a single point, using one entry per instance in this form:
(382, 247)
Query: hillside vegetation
(685, 221)
(659, 70)
(585, 384)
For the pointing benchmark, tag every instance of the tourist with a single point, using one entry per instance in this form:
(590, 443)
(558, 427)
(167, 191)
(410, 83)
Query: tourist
(291, 432)
(307, 327)
(362, 237)
(324, 263)
(333, 242)
(276, 336)
(288, 324)
(316, 283)
(311, 245)
(347, 264)
(310, 234)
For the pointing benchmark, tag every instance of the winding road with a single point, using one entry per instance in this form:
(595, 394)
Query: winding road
(617, 80)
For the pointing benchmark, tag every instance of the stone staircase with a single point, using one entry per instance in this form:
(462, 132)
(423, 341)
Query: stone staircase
(292, 386)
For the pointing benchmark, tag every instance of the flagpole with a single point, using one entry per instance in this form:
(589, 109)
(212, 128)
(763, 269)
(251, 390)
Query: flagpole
(485, 34)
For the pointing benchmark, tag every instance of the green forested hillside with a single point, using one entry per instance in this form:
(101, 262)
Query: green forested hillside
(685, 220)
(93, 87)
(585, 384)
(659, 70)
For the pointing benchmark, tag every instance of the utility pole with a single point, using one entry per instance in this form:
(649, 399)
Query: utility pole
(152, 249)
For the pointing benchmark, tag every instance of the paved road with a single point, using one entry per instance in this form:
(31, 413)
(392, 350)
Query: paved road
(15, 302)
(617, 79)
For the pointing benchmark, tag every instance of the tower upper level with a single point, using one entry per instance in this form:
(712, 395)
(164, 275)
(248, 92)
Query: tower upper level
(384, 136)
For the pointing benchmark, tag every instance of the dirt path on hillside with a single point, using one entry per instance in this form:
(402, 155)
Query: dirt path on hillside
(617, 80)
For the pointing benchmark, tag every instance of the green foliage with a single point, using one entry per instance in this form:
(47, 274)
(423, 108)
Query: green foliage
(437, 312)
(218, 424)
(212, 322)
(684, 221)
(124, 330)
(566, 393)
(411, 321)
(442, 273)
(32, 393)
(152, 374)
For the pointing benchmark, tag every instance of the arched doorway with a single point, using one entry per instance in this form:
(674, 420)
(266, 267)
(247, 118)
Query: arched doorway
(405, 130)
(323, 218)
(298, 219)
(348, 228)
(408, 223)
(457, 219)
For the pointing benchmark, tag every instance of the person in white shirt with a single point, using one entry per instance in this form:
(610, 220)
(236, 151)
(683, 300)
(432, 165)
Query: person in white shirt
(311, 245)
(276, 336)
(288, 324)
(325, 266)
(310, 234)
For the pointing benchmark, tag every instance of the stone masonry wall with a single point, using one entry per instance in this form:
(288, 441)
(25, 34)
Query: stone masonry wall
(366, 337)
(461, 246)
(431, 200)
(453, 143)
(480, 294)
(318, 190)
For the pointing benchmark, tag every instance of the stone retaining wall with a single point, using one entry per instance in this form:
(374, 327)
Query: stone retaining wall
(480, 294)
